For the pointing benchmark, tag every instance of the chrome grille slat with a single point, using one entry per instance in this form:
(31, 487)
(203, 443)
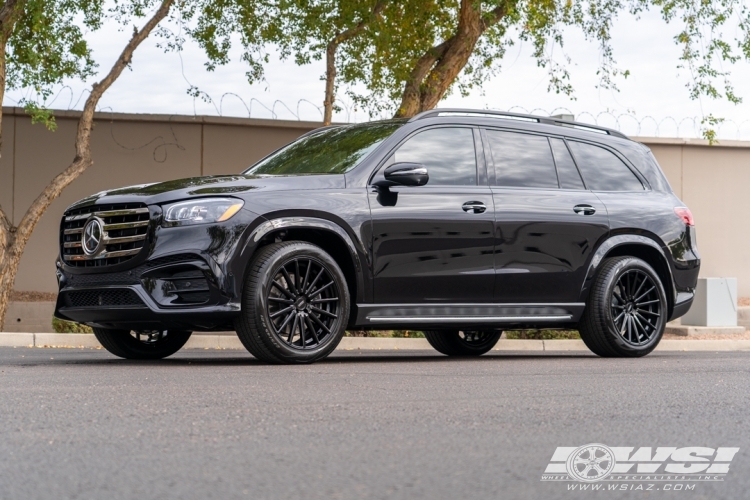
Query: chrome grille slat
(109, 241)
(124, 239)
(108, 213)
(104, 255)
(73, 231)
(125, 225)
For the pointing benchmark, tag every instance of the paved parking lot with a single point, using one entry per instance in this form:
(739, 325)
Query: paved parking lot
(217, 424)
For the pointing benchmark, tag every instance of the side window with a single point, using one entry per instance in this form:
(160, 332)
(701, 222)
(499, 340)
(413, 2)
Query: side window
(448, 154)
(566, 168)
(522, 160)
(602, 170)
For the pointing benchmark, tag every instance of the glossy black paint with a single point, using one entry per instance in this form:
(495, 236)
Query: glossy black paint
(414, 256)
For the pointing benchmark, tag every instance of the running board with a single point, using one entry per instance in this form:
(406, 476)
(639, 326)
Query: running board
(486, 314)
(467, 319)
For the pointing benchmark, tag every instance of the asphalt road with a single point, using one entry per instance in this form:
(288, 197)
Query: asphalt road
(217, 424)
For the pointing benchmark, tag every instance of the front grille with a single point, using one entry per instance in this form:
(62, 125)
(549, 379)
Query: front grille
(124, 234)
(99, 298)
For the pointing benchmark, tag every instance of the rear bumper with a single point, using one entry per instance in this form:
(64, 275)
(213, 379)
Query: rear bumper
(682, 304)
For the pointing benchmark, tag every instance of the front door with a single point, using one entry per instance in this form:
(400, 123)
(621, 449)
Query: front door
(434, 243)
(547, 225)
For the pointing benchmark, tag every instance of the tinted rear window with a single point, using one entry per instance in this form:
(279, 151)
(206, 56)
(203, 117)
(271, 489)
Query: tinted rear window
(522, 160)
(602, 170)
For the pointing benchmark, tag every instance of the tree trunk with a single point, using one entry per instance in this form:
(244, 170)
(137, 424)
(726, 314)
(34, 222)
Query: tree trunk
(437, 69)
(333, 45)
(14, 239)
(330, 80)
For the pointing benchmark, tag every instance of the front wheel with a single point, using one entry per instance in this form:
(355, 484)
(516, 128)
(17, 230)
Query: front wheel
(627, 309)
(141, 344)
(463, 343)
(295, 304)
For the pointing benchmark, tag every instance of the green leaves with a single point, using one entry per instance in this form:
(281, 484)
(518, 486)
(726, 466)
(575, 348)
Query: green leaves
(46, 45)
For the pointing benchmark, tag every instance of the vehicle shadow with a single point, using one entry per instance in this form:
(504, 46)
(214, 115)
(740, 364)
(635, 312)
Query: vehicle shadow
(206, 359)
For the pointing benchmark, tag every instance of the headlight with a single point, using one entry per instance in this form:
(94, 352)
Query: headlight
(201, 211)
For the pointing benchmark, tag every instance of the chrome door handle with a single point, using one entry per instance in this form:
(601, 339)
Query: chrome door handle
(584, 210)
(474, 207)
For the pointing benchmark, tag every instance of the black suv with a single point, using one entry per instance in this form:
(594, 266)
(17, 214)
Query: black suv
(458, 223)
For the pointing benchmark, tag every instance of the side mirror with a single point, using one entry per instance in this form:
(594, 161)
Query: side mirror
(405, 174)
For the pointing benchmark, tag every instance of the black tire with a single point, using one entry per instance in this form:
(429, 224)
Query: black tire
(460, 343)
(281, 324)
(141, 345)
(626, 312)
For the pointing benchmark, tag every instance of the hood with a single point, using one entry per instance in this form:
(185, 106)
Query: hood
(217, 185)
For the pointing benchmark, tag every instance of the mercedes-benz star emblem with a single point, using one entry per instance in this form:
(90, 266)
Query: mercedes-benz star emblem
(92, 236)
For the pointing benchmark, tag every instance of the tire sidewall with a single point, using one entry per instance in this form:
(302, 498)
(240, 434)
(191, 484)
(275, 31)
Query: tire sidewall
(260, 303)
(614, 275)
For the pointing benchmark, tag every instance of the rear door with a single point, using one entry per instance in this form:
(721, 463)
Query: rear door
(433, 243)
(546, 223)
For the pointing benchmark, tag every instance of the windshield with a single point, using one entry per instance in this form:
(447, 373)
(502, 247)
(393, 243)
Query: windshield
(332, 151)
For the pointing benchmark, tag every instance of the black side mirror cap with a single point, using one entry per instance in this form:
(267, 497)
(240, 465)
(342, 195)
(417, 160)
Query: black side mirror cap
(405, 174)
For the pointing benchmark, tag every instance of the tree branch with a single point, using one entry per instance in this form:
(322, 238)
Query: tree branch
(331, 49)
(435, 71)
(7, 12)
(82, 159)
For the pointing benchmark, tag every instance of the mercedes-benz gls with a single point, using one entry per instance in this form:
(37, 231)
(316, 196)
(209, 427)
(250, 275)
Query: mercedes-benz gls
(458, 223)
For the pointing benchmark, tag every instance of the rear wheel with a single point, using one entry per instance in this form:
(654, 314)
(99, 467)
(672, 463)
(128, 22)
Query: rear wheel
(627, 309)
(142, 344)
(463, 343)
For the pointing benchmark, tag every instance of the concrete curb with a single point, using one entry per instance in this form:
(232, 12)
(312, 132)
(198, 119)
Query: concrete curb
(87, 340)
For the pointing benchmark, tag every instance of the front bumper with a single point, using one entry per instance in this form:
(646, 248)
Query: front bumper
(146, 298)
(186, 278)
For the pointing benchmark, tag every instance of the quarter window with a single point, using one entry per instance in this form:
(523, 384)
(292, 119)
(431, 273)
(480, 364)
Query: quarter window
(566, 168)
(602, 170)
(522, 160)
(448, 154)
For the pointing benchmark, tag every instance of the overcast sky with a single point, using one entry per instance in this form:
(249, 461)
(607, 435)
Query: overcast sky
(654, 94)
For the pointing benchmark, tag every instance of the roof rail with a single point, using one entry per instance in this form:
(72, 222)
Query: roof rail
(547, 120)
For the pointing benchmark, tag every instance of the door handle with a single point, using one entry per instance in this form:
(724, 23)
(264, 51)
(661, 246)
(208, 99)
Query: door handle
(474, 207)
(584, 210)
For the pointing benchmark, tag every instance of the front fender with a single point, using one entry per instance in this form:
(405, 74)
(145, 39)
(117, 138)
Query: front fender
(304, 222)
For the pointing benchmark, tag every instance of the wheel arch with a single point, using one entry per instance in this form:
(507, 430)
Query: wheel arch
(326, 234)
(633, 245)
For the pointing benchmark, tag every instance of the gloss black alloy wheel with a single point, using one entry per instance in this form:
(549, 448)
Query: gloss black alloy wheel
(463, 343)
(626, 312)
(295, 304)
(303, 303)
(152, 344)
(636, 306)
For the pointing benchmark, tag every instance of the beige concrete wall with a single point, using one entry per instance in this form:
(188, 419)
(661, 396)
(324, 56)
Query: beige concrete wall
(714, 182)
(134, 149)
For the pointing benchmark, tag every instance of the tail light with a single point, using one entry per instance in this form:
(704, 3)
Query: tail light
(685, 214)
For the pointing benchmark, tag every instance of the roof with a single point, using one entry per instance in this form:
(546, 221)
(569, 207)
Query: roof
(546, 120)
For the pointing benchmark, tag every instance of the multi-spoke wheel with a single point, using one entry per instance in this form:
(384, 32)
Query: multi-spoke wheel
(295, 304)
(627, 309)
(152, 344)
(463, 343)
